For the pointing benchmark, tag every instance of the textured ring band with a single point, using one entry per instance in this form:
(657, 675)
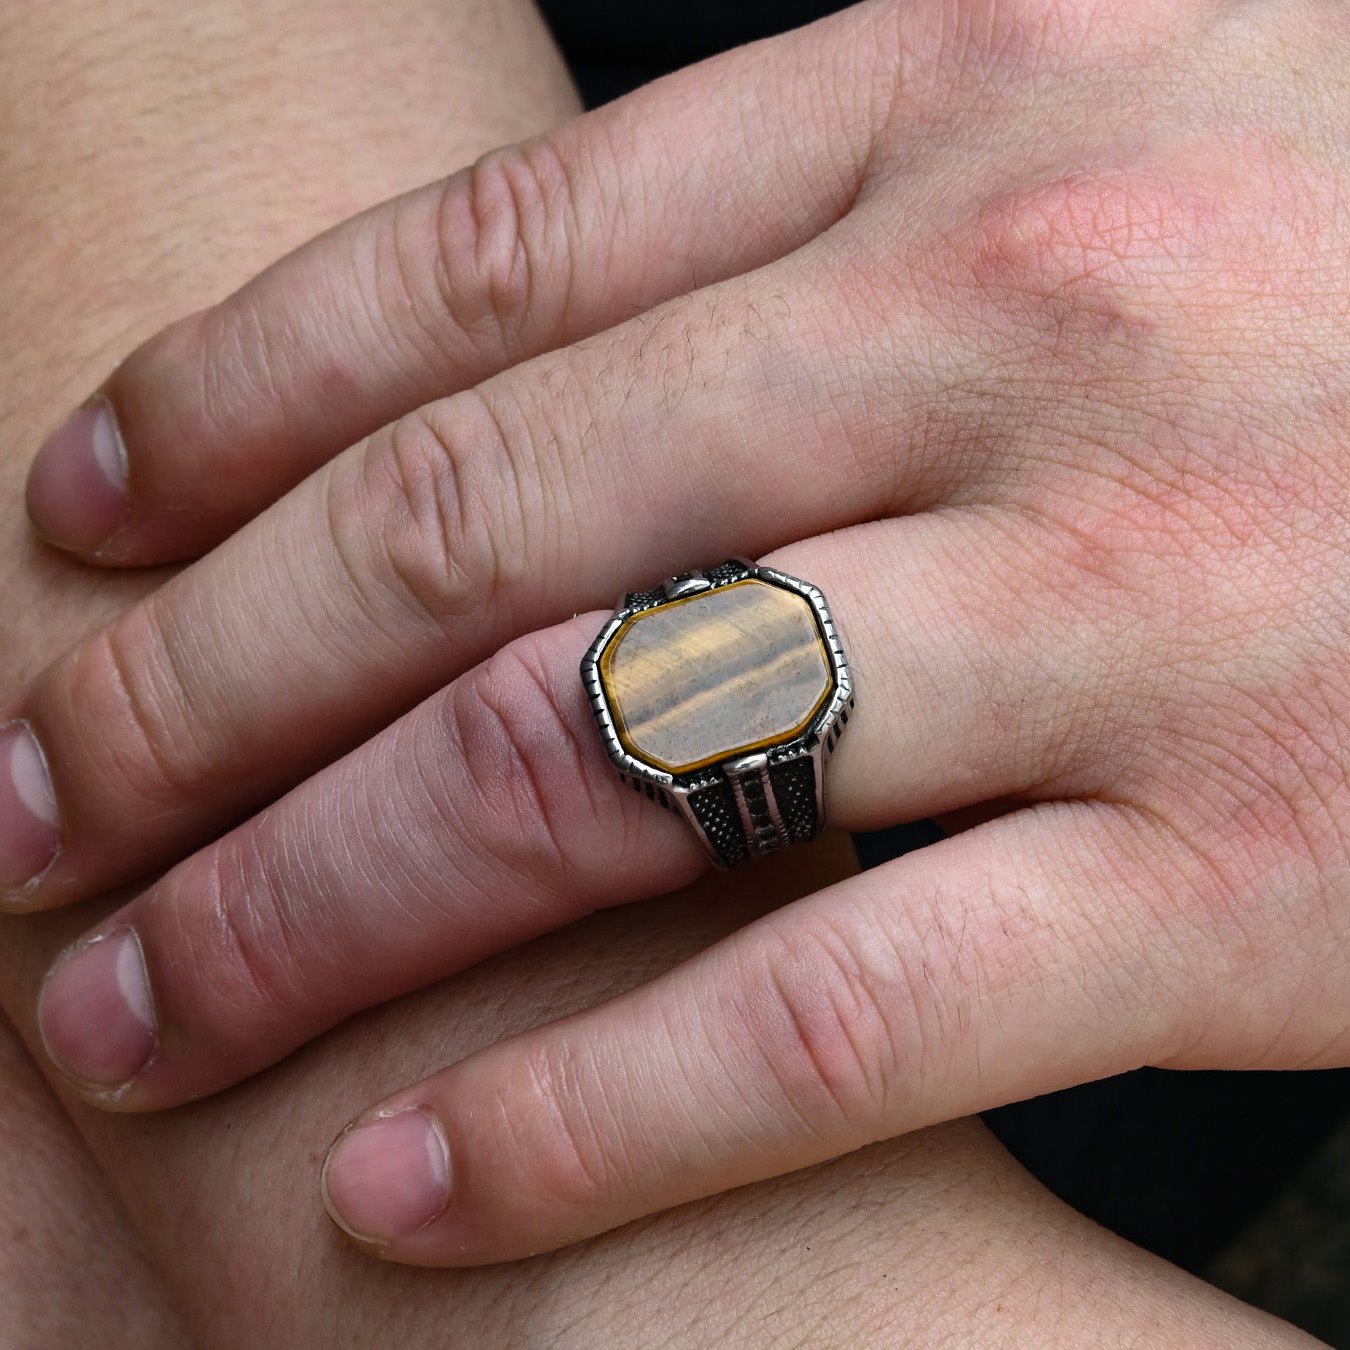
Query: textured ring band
(720, 694)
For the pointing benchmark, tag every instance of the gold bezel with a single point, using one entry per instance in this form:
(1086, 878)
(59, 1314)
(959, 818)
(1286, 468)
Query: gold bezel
(784, 737)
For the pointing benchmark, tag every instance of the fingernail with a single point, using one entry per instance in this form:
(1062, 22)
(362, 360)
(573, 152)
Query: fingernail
(29, 838)
(96, 1015)
(388, 1177)
(77, 487)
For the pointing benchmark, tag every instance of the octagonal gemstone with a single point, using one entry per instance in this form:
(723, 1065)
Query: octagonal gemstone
(720, 673)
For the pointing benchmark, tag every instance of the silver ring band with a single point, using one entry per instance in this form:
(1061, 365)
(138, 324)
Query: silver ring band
(720, 695)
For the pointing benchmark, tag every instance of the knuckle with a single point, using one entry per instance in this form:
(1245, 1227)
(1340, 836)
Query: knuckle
(127, 681)
(503, 232)
(831, 1015)
(238, 356)
(542, 795)
(1011, 34)
(1093, 295)
(573, 1141)
(234, 935)
(1089, 262)
(1018, 37)
(447, 505)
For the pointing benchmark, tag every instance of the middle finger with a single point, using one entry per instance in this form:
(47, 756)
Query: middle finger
(414, 556)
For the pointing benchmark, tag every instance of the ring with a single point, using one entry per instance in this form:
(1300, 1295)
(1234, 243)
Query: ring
(720, 695)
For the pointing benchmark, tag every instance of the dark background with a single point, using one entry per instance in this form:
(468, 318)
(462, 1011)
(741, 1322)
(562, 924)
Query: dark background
(1241, 1177)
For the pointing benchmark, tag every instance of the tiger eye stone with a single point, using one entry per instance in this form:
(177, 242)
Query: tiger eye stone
(722, 672)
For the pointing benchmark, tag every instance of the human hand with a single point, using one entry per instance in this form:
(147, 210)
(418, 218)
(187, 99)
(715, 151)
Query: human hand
(965, 1240)
(933, 1239)
(1016, 327)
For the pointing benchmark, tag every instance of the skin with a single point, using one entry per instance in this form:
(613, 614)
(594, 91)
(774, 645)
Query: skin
(1019, 328)
(938, 1239)
(73, 1272)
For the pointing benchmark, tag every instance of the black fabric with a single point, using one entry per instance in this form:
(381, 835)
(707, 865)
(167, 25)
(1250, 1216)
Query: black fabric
(1175, 1162)
(613, 46)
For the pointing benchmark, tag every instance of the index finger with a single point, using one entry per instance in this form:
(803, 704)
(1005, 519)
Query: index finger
(706, 175)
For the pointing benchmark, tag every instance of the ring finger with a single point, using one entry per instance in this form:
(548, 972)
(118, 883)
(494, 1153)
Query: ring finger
(490, 814)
